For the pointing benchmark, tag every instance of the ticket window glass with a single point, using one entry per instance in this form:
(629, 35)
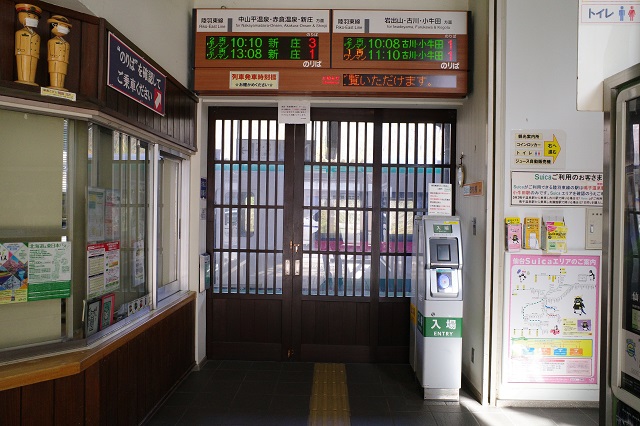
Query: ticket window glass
(168, 241)
(89, 187)
(34, 209)
(117, 208)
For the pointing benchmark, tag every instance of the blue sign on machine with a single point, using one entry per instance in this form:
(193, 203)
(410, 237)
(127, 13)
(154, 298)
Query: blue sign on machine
(131, 75)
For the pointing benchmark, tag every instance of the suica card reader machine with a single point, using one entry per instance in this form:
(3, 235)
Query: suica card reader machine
(436, 308)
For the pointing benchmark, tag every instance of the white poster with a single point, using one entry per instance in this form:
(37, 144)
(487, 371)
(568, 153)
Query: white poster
(553, 319)
(440, 199)
(556, 188)
(538, 149)
(294, 112)
(95, 212)
(103, 268)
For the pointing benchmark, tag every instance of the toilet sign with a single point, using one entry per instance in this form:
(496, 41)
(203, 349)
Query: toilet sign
(538, 149)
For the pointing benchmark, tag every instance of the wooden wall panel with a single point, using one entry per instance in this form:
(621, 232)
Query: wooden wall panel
(109, 389)
(10, 407)
(182, 117)
(138, 350)
(363, 319)
(92, 395)
(121, 386)
(7, 33)
(127, 385)
(87, 75)
(244, 328)
(335, 322)
(37, 404)
(69, 395)
(89, 60)
(217, 324)
(393, 323)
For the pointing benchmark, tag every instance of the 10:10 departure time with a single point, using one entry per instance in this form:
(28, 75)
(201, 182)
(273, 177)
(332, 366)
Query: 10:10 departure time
(261, 47)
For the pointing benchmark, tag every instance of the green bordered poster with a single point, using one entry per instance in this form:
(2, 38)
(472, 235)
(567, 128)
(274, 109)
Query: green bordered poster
(34, 271)
(49, 270)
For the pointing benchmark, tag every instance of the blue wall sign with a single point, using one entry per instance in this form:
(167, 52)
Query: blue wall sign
(131, 75)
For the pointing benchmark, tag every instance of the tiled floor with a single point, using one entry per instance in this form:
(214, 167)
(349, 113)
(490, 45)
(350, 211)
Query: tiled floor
(270, 393)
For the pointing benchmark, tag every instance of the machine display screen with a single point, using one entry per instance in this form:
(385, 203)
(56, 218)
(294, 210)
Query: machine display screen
(443, 252)
(442, 229)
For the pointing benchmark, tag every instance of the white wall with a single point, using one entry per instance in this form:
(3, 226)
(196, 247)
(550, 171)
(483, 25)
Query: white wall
(161, 28)
(604, 49)
(539, 92)
(197, 234)
(337, 4)
(472, 141)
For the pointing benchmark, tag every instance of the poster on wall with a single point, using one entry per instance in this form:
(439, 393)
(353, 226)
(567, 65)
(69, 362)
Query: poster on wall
(540, 149)
(112, 215)
(553, 319)
(138, 263)
(14, 260)
(49, 270)
(440, 199)
(556, 188)
(34, 271)
(95, 214)
(103, 268)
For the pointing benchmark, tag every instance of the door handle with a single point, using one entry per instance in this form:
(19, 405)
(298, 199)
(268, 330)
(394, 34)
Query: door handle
(287, 267)
(296, 268)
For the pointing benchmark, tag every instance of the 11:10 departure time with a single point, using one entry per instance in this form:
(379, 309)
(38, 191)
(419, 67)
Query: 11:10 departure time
(399, 49)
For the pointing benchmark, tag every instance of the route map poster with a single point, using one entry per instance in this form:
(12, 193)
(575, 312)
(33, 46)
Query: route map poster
(553, 319)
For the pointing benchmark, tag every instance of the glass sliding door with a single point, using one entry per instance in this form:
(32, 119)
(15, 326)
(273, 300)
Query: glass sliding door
(310, 225)
(620, 368)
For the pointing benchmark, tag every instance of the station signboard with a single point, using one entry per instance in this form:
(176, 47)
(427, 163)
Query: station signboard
(253, 38)
(433, 40)
(340, 52)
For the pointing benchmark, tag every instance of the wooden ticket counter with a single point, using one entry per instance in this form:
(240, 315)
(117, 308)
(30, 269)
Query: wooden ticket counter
(94, 129)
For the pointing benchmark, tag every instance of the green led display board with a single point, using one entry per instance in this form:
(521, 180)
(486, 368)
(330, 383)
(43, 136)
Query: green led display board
(261, 47)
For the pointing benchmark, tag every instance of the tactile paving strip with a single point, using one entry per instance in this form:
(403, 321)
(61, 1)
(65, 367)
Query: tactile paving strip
(329, 404)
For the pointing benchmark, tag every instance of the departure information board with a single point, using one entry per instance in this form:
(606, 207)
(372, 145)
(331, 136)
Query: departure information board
(261, 47)
(405, 40)
(331, 52)
(399, 49)
(267, 39)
